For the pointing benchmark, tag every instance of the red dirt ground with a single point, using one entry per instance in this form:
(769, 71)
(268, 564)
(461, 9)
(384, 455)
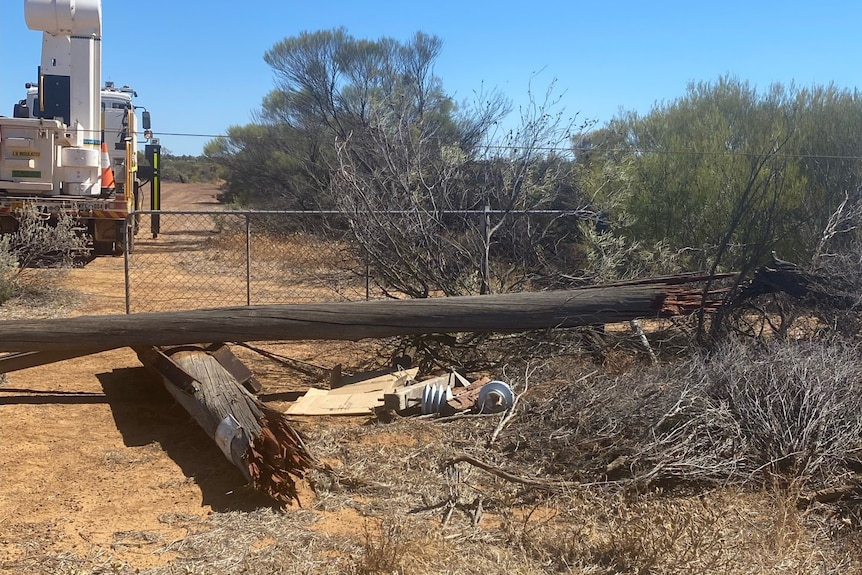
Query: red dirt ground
(94, 449)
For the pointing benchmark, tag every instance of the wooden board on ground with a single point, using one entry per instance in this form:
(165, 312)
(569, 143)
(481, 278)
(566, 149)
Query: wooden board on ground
(360, 398)
(18, 360)
(383, 382)
(322, 402)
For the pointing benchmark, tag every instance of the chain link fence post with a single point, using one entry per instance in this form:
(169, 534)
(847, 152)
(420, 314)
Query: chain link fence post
(485, 271)
(247, 259)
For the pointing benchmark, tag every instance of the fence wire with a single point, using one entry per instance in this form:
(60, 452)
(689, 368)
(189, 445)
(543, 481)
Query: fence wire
(203, 260)
(212, 259)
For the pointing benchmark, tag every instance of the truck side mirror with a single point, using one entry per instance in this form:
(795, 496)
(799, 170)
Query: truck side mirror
(145, 116)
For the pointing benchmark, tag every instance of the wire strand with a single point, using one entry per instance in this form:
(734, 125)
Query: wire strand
(563, 149)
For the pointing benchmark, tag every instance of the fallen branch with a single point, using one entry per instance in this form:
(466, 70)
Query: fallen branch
(510, 413)
(548, 485)
(830, 495)
(504, 421)
(808, 287)
(299, 365)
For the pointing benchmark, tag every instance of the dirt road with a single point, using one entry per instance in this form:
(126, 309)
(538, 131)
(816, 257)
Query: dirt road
(95, 455)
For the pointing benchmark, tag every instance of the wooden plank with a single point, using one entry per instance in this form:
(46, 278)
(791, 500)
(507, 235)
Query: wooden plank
(235, 367)
(514, 312)
(23, 359)
(360, 398)
(160, 364)
(322, 402)
(380, 383)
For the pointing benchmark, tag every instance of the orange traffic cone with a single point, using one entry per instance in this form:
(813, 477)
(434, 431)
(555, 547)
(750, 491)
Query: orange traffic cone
(107, 171)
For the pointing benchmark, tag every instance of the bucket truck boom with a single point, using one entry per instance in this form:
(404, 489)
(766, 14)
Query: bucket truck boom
(54, 151)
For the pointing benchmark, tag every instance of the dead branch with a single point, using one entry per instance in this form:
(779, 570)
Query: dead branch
(548, 485)
(830, 495)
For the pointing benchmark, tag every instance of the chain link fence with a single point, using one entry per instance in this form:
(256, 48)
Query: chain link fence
(183, 260)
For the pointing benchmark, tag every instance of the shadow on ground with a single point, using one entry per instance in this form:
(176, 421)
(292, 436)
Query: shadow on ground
(41, 397)
(145, 412)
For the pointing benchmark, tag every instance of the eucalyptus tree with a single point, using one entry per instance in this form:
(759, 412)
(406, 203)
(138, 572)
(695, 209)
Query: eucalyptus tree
(328, 88)
(714, 173)
(829, 123)
(270, 166)
(366, 127)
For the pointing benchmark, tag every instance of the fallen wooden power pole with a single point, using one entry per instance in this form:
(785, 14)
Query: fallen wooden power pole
(256, 438)
(513, 312)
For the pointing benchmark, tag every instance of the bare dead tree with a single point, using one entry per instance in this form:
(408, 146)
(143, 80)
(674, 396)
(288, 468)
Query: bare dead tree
(844, 220)
(435, 214)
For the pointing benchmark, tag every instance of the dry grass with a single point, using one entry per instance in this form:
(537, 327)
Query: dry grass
(742, 415)
(39, 293)
(388, 505)
(652, 468)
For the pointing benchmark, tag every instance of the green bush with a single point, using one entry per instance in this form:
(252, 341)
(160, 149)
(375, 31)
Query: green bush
(42, 240)
(8, 269)
(186, 169)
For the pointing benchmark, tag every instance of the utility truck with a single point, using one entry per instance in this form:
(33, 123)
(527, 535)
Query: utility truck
(72, 144)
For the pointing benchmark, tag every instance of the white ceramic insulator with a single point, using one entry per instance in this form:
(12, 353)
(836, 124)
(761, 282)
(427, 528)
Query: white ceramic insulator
(434, 397)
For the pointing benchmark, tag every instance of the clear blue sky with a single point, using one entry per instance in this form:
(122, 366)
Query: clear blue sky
(198, 65)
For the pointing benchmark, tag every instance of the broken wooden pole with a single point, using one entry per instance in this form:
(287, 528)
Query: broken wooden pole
(255, 438)
(810, 288)
(512, 312)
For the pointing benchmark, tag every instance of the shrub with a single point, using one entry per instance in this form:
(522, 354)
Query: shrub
(41, 240)
(797, 404)
(8, 268)
(742, 414)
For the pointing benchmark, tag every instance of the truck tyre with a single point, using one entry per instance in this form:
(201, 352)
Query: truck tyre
(103, 248)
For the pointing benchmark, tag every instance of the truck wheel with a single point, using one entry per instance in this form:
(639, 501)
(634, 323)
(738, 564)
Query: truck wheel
(103, 248)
